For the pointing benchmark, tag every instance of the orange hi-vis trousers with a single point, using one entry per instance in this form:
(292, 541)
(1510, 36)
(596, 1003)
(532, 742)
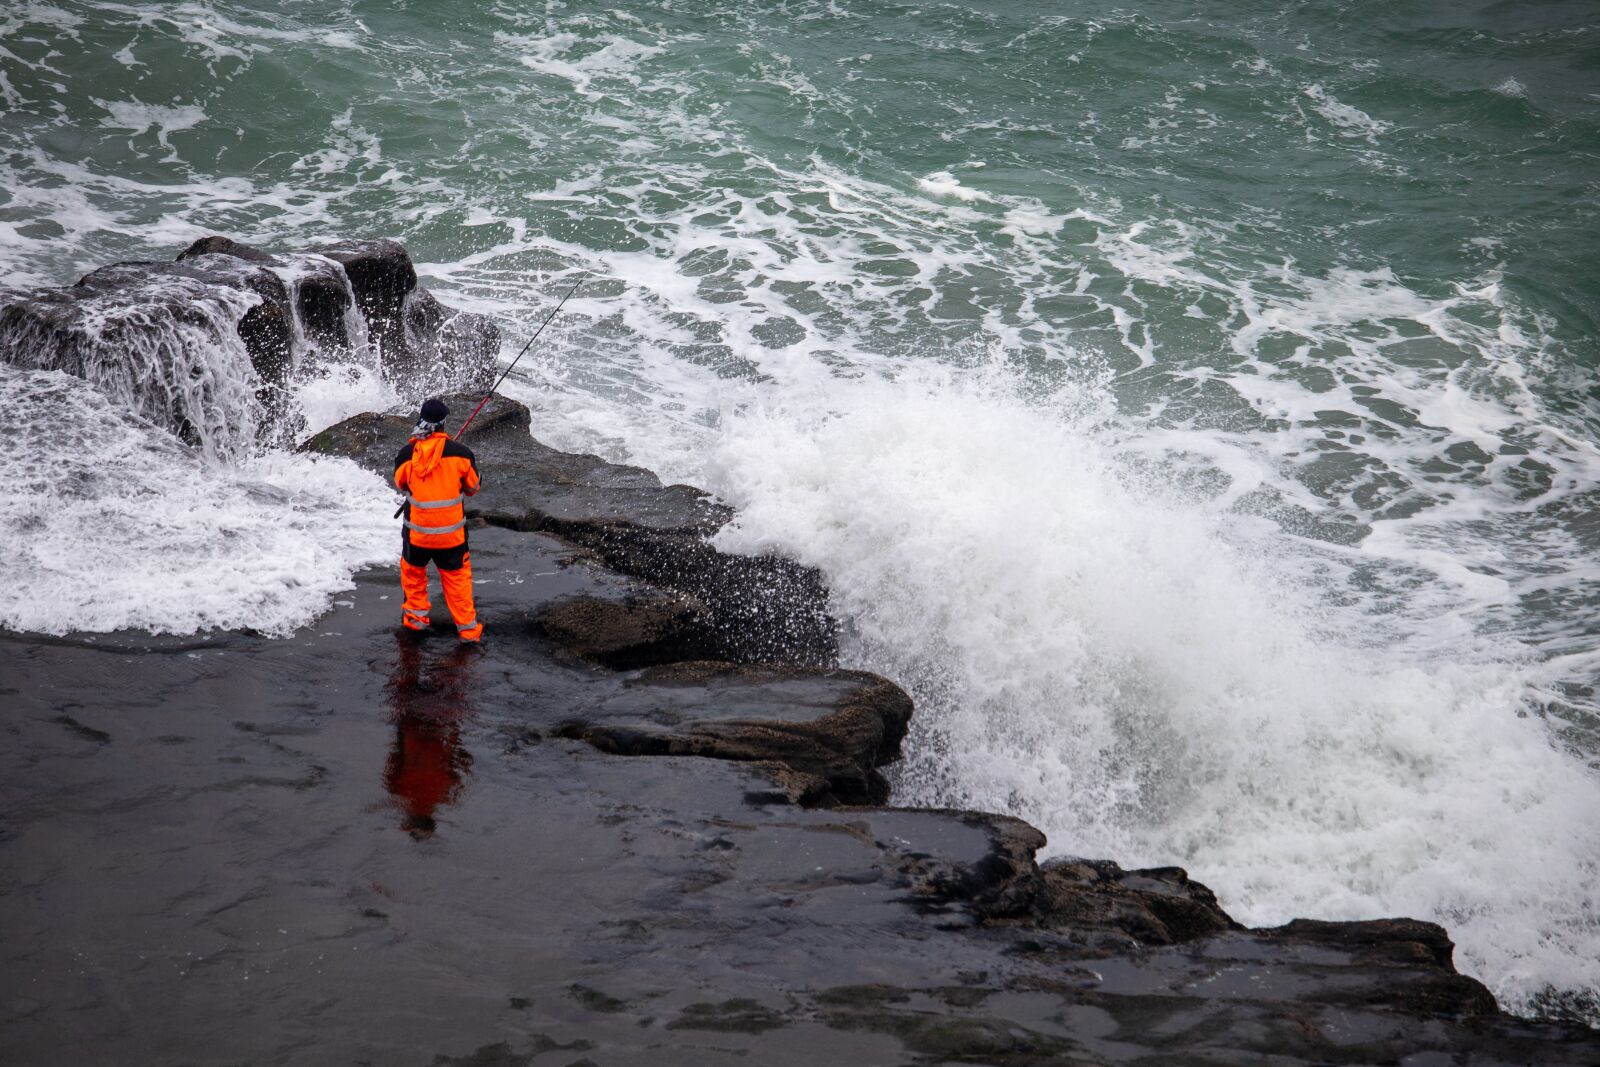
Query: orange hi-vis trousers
(457, 584)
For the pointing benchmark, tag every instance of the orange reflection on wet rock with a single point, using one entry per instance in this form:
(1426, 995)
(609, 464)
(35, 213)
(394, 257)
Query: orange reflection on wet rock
(429, 697)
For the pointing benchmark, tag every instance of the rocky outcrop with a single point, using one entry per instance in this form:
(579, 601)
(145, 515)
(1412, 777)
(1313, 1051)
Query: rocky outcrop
(1153, 906)
(209, 345)
(422, 346)
(425, 346)
(187, 345)
(642, 631)
(823, 733)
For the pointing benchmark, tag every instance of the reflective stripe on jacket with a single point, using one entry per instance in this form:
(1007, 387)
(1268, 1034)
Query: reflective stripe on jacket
(436, 474)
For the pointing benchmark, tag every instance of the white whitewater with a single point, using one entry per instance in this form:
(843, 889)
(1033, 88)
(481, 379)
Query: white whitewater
(114, 524)
(1147, 678)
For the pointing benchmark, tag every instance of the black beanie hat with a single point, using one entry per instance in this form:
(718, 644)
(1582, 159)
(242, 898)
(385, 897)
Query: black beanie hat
(434, 410)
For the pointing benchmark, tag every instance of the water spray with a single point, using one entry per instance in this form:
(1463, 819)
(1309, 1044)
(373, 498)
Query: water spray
(508, 370)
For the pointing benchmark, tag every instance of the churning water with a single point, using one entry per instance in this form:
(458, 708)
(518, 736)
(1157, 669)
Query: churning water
(1194, 410)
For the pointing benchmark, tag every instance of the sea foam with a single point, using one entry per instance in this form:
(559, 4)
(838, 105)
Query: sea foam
(1165, 682)
(114, 524)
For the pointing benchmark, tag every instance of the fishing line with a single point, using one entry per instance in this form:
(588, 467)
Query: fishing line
(547, 320)
(508, 370)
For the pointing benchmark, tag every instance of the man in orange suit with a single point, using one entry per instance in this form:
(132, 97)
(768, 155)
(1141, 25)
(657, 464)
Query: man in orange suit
(436, 474)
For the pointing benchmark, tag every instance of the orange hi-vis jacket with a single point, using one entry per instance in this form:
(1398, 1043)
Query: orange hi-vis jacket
(436, 474)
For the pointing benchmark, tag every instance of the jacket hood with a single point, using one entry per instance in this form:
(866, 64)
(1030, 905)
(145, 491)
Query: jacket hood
(426, 453)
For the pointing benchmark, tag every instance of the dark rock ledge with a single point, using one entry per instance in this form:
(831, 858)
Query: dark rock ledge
(148, 331)
(646, 824)
(805, 920)
(726, 607)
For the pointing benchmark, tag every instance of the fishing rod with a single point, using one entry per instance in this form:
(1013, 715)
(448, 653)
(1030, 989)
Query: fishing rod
(535, 337)
(547, 320)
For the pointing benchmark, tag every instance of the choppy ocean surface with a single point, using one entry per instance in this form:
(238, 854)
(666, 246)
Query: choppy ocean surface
(1193, 406)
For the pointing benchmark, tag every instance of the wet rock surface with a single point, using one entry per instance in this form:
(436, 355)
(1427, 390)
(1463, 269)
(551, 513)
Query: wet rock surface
(615, 834)
(821, 733)
(425, 345)
(755, 608)
(122, 325)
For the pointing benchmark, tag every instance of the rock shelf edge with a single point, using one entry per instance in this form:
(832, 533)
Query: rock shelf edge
(734, 658)
(648, 823)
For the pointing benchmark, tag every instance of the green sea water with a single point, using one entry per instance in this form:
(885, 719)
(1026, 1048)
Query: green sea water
(1194, 406)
